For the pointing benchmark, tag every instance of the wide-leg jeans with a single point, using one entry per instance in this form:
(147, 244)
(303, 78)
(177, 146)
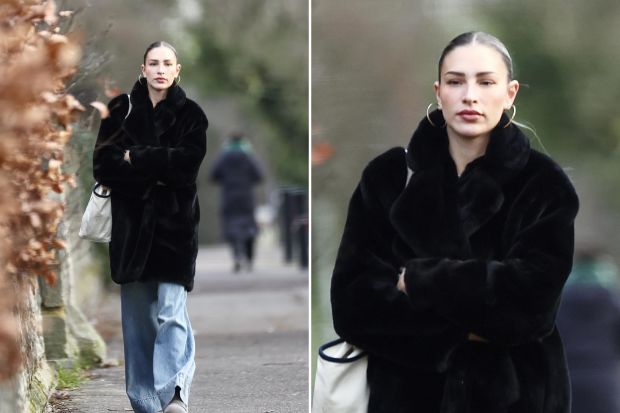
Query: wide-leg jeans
(158, 342)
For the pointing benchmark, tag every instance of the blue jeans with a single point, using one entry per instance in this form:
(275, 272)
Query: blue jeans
(159, 344)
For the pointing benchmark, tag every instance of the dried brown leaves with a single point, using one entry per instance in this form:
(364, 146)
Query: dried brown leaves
(104, 112)
(111, 91)
(35, 125)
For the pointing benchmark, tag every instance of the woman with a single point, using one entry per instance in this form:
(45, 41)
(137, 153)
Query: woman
(149, 152)
(450, 280)
(237, 171)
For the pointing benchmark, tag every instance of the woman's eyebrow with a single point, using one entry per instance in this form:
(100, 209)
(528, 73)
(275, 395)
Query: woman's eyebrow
(461, 74)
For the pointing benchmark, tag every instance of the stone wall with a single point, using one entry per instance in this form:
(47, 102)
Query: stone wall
(69, 337)
(30, 388)
(53, 331)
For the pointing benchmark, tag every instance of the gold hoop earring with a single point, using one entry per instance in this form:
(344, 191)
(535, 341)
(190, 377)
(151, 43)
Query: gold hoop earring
(177, 80)
(140, 77)
(514, 112)
(428, 115)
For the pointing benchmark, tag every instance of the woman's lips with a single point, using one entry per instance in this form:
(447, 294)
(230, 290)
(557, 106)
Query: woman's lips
(160, 79)
(469, 115)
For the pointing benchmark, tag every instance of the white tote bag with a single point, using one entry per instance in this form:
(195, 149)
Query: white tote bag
(340, 385)
(97, 219)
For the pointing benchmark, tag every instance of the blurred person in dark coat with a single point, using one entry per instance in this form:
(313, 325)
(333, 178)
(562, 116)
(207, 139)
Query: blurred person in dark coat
(589, 320)
(237, 171)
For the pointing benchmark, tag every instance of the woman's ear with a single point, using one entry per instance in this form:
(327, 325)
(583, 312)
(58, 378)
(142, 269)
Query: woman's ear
(513, 88)
(178, 69)
(436, 86)
(142, 70)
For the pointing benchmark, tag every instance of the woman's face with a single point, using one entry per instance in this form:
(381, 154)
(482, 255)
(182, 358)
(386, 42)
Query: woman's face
(474, 90)
(160, 68)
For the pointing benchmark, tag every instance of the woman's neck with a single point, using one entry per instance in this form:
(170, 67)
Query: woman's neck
(156, 95)
(464, 150)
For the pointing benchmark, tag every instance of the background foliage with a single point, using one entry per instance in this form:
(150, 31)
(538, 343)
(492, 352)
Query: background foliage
(257, 51)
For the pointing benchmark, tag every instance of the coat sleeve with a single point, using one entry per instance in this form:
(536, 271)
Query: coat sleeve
(174, 166)
(109, 167)
(215, 174)
(256, 171)
(515, 299)
(368, 310)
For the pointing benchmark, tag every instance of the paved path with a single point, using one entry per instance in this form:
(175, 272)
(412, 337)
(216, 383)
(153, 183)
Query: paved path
(251, 334)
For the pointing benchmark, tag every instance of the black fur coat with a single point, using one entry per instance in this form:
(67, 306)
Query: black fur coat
(485, 253)
(155, 210)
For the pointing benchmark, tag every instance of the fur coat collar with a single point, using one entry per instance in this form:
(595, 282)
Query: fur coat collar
(506, 154)
(146, 124)
(479, 193)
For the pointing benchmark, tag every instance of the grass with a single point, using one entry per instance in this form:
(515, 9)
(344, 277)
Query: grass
(70, 378)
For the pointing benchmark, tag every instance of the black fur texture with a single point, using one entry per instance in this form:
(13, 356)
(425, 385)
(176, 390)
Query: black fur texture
(485, 253)
(155, 210)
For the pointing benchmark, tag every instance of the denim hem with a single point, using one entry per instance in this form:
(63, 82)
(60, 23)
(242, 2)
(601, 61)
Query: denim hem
(185, 382)
(149, 404)
(182, 380)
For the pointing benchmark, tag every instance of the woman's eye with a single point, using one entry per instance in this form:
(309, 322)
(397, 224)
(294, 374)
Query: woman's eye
(453, 81)
(487, 82)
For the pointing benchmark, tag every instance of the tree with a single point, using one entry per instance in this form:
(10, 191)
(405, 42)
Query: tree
(257, 51)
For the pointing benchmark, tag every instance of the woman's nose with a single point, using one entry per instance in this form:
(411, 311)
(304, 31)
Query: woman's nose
(471, 94)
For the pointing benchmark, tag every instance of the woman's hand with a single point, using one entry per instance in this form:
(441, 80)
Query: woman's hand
(401, 281)
(126, 157)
